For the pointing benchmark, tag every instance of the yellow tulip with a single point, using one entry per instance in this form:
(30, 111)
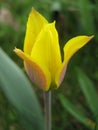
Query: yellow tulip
(42, 56)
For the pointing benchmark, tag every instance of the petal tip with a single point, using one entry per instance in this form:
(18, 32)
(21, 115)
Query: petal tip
(33, 12)
(15, 49)
(33, 9)
(19, 53)
(90, 37)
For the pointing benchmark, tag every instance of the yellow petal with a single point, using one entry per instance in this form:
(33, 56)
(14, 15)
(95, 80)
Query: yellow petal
(38, 74)
(46, 49)
(34, 25)
(74, 45)
(70, 48)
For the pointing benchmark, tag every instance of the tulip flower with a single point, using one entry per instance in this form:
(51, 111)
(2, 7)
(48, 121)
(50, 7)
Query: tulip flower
(42, 56)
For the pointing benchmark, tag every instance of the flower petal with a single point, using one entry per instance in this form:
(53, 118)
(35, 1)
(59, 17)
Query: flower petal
(46, 49)
(70, 48)
(74, 45)
(34, 25)
(38, 74)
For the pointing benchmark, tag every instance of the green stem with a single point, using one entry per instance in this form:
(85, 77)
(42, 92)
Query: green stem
(47, 103)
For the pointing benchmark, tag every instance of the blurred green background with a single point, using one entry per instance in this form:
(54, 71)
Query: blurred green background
(73, 17)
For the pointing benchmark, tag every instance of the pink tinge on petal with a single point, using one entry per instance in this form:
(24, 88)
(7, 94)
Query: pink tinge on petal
(62, 73)
(36, 75)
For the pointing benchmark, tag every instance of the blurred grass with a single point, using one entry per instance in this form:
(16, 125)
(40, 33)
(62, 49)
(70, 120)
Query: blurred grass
(74, 17)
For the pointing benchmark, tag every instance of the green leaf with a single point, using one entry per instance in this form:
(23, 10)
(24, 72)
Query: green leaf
(75, 112)
(20, 93)
(89, 91)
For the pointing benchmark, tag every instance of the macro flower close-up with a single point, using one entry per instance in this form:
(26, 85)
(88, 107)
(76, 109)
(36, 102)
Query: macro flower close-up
(41, 53)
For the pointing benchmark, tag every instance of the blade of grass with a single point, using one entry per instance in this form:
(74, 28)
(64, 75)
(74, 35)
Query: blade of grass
(20, 93)
(88, 90)
(76, 113)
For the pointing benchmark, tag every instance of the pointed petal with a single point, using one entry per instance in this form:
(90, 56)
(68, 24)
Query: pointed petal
(70, 48)
(34, 25)
(74, 45)
(39, 74)
(46, 49)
